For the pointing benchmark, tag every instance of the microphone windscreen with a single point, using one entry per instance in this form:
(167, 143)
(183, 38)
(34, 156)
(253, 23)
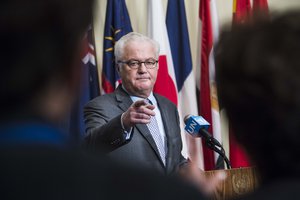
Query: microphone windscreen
(193, 124)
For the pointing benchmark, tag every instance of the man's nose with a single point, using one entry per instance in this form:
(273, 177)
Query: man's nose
(142, 68)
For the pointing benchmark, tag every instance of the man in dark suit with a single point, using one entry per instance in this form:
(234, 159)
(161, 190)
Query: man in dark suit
(258, 78)
(120, 123)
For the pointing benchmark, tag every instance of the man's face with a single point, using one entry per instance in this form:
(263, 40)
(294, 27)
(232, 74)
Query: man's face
(140, 81)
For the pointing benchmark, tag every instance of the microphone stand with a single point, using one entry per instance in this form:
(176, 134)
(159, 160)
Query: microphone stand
(214, 145)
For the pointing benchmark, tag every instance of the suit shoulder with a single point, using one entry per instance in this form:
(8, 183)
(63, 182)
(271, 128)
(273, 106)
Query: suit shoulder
(102, 99)
(163, 100)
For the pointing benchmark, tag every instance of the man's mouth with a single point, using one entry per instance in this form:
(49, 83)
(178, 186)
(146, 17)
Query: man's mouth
(143, 78)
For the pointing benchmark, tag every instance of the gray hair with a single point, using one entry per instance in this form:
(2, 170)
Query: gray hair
(130, 37)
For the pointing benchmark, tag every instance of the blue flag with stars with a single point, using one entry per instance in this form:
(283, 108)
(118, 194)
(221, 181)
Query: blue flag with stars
(89, 88)
(117, 24)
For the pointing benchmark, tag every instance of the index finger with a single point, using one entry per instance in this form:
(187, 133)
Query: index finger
(139, 103)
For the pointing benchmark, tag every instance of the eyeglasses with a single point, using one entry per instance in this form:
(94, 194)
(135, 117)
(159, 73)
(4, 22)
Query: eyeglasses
(134, 64)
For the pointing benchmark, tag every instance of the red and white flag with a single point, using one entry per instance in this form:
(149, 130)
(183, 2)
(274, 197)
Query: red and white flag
(208, 101)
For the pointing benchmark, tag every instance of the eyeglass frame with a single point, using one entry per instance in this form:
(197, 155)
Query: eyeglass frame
(139, 63)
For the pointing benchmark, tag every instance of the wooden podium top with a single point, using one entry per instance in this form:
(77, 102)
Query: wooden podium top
(239, 181)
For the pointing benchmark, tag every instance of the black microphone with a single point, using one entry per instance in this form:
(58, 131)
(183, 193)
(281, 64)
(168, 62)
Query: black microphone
(197, 127)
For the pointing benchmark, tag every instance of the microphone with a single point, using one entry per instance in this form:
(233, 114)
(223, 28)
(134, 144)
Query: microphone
(197, 127)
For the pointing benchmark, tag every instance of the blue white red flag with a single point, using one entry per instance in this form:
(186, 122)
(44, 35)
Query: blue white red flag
(185, 79)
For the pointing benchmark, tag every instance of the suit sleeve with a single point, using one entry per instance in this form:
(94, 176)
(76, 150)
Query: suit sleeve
(102, 132)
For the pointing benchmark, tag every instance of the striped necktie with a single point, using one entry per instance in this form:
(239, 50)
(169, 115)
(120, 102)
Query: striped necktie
(154, 130)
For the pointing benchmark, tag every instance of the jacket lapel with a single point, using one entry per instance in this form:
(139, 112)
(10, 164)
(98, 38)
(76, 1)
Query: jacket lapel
(167, 123)
(143, 129)
(123, 98)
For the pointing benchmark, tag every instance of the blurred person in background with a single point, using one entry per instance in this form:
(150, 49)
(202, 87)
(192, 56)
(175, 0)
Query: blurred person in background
(258, 70)
(41, 43)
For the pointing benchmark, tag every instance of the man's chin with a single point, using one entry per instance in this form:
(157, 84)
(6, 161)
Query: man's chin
(145, 90)
(144, 85)
(146, 80)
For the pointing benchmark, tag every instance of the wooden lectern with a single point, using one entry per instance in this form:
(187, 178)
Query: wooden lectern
(238, 182)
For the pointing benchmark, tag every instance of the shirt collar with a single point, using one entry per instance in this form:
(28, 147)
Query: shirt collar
(136, 98)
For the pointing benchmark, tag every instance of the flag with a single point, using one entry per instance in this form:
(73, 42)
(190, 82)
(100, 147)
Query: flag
(241, 11)
(261, 7)
(182, 61)
(166, 81)
(208, 100)
(89, 64)
(89, 88)
(117, 24)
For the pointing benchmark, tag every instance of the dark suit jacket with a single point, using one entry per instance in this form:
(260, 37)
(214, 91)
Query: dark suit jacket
(104, 131)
